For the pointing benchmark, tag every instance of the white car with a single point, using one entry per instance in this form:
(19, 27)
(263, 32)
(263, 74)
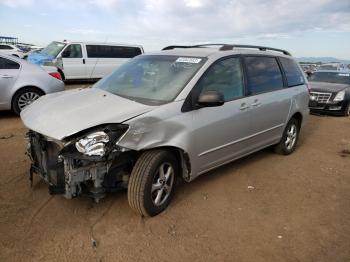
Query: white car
(13, 50)
(84, 60)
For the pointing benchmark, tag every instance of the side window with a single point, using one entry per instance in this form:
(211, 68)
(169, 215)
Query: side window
(7, 47)
(224, 76)
(72, 51)
(106, 51)
(263, 74)
(8, 64)
(293, 74)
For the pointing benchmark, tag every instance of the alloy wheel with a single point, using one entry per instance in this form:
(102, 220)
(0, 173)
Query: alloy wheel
(162, 184)
(291, 137)
(26, 99)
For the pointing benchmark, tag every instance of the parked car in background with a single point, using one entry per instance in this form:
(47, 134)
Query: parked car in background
(84, 60)
(330, 92)
(21, 83)
(332, 66)
(13, 50)
(175, 113)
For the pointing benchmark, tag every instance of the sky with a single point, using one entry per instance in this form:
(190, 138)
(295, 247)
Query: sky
(305, 28)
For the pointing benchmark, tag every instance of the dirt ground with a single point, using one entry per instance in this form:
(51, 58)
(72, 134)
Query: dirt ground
(265, 207)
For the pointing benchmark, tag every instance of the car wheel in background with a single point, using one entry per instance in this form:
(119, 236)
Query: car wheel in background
(25, 97)
(347, 110)
(152, 182)
(289, 139)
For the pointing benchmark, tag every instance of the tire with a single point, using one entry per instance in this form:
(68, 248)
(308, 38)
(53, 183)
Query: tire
(18, 101)
(347, 110)
(146, 176)
(289, 138)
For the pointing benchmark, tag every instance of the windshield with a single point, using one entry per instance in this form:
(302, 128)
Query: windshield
(152, 79)
(331, 77)
(53, 49)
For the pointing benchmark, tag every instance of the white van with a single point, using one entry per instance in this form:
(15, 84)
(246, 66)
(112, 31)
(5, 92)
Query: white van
(84, 60)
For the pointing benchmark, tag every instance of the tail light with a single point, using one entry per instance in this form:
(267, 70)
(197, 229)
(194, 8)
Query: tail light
(56, 75)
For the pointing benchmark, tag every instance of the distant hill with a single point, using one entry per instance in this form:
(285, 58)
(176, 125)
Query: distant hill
(322, 60)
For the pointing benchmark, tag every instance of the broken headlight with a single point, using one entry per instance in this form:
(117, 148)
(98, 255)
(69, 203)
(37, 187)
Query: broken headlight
(93, 144)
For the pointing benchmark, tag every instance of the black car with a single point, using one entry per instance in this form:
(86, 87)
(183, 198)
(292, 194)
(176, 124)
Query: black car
(330, 92)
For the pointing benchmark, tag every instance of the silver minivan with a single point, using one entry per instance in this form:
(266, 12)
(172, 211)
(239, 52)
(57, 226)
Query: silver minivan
(177, 113)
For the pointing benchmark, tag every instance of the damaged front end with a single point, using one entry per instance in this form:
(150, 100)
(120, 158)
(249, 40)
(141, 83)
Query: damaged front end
(86, 163)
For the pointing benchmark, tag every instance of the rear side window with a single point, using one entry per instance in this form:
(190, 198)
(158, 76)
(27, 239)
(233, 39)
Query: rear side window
(293, 74)
(106, 51)
(263, 74)
(6, 47)
(8, 64)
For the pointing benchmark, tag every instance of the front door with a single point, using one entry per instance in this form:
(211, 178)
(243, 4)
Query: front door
(73, 62)
(220, 132)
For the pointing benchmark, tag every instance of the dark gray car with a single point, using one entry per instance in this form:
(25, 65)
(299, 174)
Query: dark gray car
(176, 113)
(330, 92)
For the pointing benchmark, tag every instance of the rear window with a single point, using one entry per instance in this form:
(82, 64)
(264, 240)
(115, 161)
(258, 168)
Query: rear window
(293, 74)
(8, 64)
(106, 51)
(263, 74)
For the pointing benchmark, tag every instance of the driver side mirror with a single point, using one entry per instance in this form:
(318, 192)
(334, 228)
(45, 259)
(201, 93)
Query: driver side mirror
(211, 99)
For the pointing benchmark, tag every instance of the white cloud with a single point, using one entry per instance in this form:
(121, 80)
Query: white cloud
(16, 3)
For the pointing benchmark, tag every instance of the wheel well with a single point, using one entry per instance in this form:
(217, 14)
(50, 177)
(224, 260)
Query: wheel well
(25, 87)
(182, 158)
(299, 117)
(62, 74)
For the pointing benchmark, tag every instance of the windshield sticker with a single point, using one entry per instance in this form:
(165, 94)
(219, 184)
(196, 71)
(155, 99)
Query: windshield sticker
(343, 74)
(191, 60)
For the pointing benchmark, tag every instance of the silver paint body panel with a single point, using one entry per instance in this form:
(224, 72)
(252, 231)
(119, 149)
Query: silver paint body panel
(209, 136)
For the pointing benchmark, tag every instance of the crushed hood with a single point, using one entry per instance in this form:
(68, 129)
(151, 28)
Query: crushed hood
(63, 114)
(327, 87)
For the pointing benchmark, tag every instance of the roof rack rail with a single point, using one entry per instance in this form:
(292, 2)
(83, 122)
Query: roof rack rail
(190, 46)
(261, 48)
(225, 47)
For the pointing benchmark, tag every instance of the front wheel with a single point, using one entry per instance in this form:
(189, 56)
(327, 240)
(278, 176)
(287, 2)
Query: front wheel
(347, 110)
(152, 182)
(289, 139)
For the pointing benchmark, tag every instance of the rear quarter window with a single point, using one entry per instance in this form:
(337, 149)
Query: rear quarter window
(293, 74)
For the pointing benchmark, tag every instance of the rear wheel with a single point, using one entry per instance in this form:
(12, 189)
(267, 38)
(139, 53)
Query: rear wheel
(25, 97)
(152, 182)
(289, 139)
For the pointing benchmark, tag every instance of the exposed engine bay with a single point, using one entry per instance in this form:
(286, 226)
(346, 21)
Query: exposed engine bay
(89, 163)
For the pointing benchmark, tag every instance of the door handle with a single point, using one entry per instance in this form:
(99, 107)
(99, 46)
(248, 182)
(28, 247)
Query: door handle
(244, 106)
(6, 76)
(256, 103)
(84, 61)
